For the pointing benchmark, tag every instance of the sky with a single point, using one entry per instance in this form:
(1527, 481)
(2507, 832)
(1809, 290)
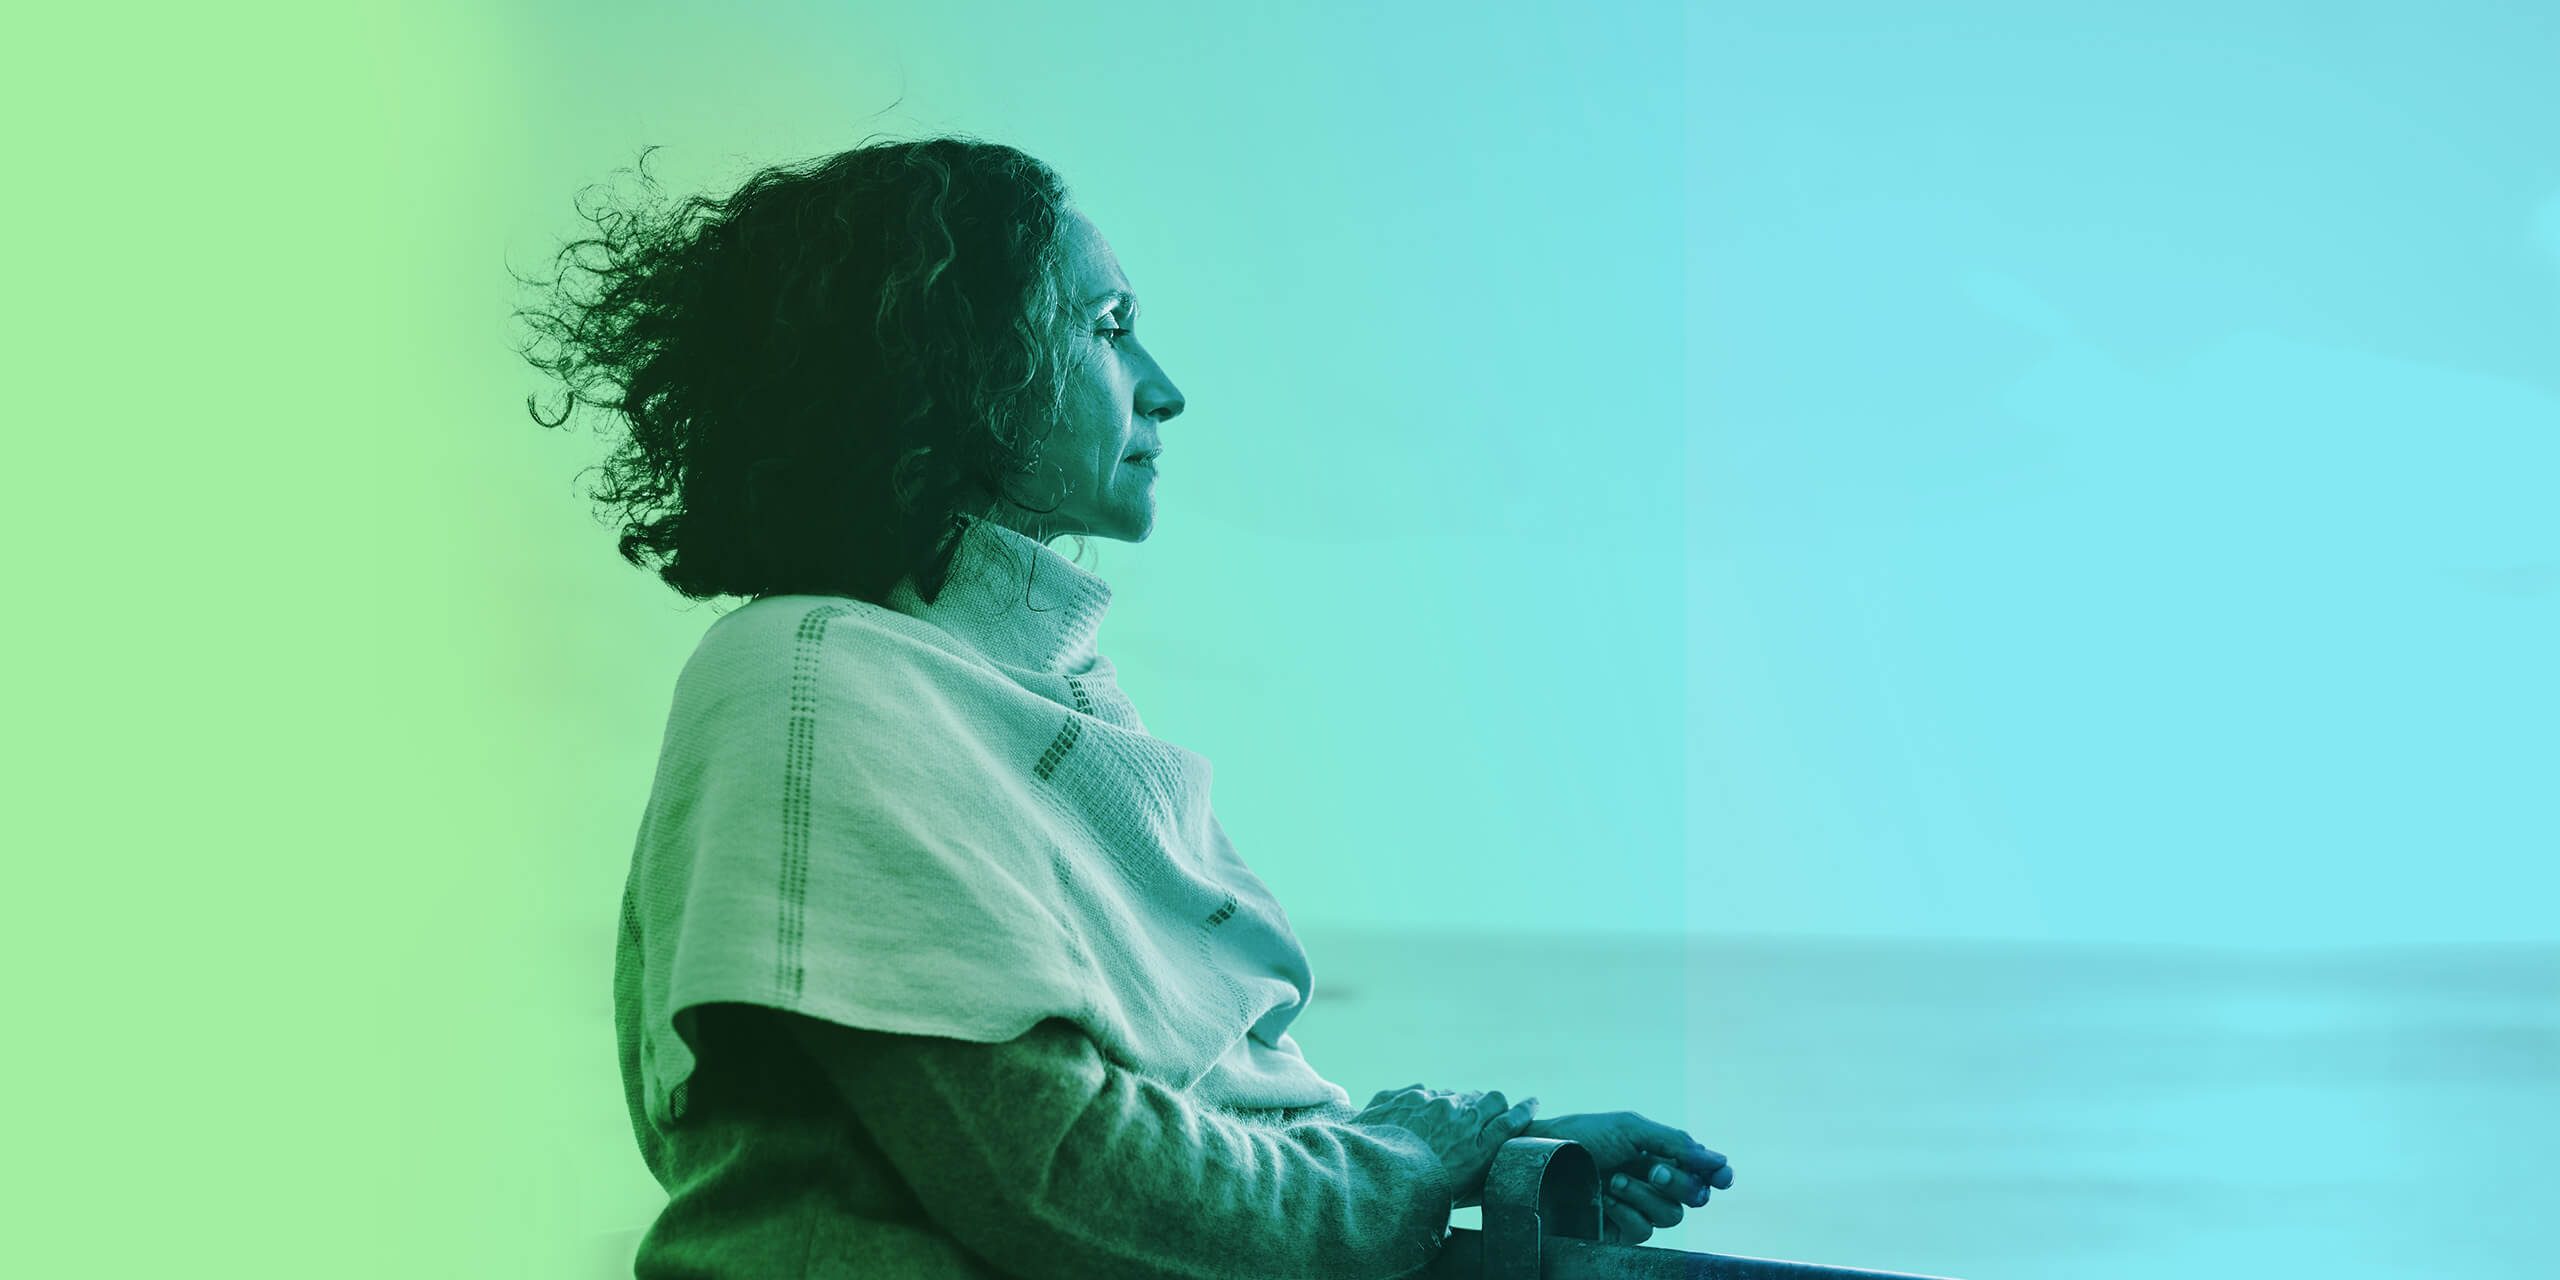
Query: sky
(2078, 470)
(2120, 471)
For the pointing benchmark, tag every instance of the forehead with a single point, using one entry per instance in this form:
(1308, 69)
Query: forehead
(1091, 269)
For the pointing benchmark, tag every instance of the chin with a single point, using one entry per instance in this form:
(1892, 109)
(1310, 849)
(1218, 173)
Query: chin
(1135, 527)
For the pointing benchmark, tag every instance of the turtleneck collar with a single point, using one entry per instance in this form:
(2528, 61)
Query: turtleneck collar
(1014, 599)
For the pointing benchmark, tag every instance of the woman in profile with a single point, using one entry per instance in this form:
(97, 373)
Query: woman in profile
(933, 961)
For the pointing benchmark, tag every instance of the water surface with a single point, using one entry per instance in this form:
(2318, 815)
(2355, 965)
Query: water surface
(2018, 1110)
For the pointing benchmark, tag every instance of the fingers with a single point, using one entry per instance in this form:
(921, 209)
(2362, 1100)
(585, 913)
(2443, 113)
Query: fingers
(1674, 1144)
(1657, 1205)
(1502, 1128)
(1510, 1123)
(1625, 1225)
(1694, 1190)
(1672, 1181)
(1475, 1144)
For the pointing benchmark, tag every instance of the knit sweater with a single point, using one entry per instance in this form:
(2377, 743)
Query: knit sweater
(937, 841)
(815, 1150)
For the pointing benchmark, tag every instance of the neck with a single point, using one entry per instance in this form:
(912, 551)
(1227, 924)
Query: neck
(1012, 598)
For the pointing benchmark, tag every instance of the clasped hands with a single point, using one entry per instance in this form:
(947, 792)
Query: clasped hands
(1650, 1172)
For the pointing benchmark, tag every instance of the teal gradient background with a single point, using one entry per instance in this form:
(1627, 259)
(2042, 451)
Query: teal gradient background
(1807, 513)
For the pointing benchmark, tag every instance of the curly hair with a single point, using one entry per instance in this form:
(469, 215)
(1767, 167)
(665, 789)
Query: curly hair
(819, 375)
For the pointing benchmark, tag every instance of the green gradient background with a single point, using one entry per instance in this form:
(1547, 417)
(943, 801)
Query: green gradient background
(1794, 471)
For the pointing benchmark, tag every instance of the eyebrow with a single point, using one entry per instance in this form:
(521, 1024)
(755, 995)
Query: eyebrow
(1121, 296)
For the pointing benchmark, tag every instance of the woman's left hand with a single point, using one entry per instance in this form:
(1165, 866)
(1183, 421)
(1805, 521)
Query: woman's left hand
(1648, 1170)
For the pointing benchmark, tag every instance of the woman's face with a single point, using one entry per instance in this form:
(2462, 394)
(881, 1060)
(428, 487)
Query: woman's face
(1099, 460)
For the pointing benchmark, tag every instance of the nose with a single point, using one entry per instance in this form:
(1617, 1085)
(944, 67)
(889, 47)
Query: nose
(1158, 398)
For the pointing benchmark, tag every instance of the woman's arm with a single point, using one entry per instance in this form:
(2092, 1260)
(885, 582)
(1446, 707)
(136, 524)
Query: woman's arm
(1049, 1161)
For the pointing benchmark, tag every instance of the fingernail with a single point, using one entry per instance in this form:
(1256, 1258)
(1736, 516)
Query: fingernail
(1618, 1181)
(1662, 1175)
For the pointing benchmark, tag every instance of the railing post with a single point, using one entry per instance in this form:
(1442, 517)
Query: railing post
(1542, 1216)
(1537, 1190)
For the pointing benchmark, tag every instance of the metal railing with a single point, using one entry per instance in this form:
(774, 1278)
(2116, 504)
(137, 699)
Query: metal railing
(1542, 1222)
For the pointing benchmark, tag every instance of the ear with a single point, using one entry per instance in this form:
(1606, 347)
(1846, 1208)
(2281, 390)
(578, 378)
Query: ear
(906, 477)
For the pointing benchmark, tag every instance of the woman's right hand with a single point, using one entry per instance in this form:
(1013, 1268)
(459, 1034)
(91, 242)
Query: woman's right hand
(1465, 1128)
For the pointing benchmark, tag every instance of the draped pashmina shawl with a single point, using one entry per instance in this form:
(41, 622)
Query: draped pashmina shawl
(945, 819)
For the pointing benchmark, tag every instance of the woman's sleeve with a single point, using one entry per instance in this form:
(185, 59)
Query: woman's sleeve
(1048, 1160)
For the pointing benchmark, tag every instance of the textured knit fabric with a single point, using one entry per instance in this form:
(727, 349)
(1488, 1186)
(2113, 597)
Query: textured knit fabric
(945, 819)
(944, 826)
(813, 1150)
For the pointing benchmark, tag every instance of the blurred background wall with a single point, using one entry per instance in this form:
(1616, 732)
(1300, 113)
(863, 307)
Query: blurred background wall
(1752, 487)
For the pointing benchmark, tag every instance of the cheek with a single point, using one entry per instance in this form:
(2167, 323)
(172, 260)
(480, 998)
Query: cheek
(1093, 408)
(1099, 422)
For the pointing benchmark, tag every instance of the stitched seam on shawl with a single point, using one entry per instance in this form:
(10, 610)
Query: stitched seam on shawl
(1083, 703)
(1087, 613)
(1058, 748)
(799, 759)
(1237, 998)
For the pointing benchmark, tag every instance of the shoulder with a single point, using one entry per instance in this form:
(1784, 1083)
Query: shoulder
(790, 654)
(783, 623)
(777, 633)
